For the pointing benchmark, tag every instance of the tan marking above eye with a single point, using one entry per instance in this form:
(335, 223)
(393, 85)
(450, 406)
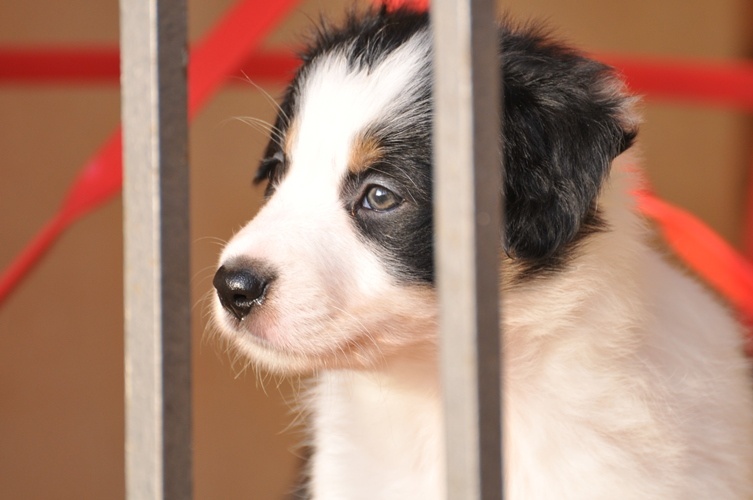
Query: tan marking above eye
(363, 154)
(290, 136)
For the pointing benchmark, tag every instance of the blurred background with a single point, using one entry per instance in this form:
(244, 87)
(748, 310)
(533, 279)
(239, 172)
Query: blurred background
(61, 332)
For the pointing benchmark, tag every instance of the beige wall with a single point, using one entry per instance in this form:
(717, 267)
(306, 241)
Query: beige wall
(61, 389)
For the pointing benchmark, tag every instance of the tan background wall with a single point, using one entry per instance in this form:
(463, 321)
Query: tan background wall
(61, 382)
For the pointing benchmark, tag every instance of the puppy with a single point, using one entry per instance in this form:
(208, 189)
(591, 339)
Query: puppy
(623, 378)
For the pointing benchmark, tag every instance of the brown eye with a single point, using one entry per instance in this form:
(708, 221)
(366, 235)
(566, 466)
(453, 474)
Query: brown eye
(380, 199)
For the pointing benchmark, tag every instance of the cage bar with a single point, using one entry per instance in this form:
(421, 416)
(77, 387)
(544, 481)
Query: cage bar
(156, 227)
(468, 233)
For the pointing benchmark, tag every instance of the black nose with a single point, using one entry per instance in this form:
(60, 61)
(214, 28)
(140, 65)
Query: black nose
(239, 289)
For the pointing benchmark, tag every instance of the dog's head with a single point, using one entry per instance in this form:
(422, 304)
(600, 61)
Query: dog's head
(336, 270)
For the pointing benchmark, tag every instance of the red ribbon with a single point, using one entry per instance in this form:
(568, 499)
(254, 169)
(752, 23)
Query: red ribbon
(748, 233)
(76, 65)
(44, 65)
(212, 60)
(728, 83)
(706, 253)
(417, 5)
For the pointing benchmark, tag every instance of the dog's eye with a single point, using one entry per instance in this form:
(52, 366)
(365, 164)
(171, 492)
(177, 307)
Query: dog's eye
(380, 199)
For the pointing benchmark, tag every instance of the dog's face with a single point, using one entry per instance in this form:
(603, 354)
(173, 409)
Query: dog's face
(336, 270)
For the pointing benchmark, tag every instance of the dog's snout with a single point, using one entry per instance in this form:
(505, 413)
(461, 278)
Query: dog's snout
(240, 289)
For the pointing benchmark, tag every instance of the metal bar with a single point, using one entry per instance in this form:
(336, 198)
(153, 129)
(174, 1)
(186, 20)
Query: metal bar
(156, 226)
(468, 235)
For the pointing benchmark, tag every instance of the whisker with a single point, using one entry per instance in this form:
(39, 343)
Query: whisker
(275, 105)
(264, 127)
(212, 239)
(206, 271)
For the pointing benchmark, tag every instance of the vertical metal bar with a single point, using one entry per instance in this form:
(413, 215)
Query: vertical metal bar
(157, 303)
(468, 235)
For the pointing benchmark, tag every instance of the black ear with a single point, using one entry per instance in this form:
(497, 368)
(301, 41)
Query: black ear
(563, 125)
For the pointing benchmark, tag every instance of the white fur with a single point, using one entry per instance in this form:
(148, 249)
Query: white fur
(636, 385)
(632, 387)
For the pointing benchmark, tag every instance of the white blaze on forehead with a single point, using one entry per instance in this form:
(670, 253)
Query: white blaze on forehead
(337, 103)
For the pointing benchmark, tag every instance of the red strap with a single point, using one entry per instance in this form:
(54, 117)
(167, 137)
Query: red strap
(230, 42)
(706, 253)
(46, 65)
(728, 83)
(212, 60)
(748, 234)
(417, 5)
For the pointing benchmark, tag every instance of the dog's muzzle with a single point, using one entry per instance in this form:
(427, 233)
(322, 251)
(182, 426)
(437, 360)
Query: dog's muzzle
(241, 287)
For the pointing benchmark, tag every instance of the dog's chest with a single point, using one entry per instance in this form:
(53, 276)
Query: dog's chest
(376, 436)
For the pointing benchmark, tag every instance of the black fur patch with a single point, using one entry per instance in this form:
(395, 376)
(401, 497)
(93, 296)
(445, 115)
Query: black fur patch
(405, 234)
(562, 127)
(273, 165)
